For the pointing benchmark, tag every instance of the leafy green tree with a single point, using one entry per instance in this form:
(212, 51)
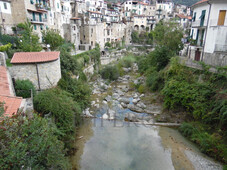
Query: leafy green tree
(5, 47)
(169, 35)
(79, 89)
(29, 41)
(23, 88)
(52, 38)
(60, 105)
(30, 143)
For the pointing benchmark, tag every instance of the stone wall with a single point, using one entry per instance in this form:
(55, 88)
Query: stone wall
(48, 73)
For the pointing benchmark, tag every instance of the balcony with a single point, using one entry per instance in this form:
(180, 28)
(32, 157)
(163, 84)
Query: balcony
(37, 21)
(198, 23)
(220, 48)
(42, 8)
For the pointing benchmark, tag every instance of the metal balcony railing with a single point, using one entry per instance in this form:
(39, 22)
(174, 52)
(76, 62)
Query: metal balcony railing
(197, 23)
(42, 7)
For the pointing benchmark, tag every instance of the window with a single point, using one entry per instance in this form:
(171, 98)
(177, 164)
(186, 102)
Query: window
(58, 5)
(194, 17)
(41, 27)
(202, 17)
(221, 18)
(45, 16)
(31, 1)
(35, 28)
(5, 6)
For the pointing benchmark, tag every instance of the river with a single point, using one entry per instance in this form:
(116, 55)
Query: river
(122, 145)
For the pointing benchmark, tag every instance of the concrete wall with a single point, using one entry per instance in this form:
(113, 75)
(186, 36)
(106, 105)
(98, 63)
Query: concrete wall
(49, 73)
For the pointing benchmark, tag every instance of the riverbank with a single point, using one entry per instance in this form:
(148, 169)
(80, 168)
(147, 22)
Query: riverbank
(120, 102)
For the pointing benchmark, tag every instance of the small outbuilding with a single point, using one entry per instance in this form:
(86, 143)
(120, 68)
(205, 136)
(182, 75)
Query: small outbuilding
(41, 68)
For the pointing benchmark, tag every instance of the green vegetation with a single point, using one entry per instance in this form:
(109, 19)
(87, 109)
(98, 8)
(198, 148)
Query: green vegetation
(110, 72)
(5, 47)
(142, 38)
(30, 143)
(29, 41)
(201, 93)
(52, 38)
(1, 108)
(23, 88)
(89, 56)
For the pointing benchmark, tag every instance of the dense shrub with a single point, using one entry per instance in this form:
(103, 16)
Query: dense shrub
(23, 88)
(110, 72)
(192, 97)
(60, 105)
(209, 144)
(30, 143)
(79, 90)
(155, 81)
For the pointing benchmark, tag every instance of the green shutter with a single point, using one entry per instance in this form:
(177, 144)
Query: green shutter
(35, 27)
(202, 17)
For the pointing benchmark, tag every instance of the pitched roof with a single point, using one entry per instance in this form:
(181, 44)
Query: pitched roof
(74, 18)
(200, 2)
(34, 57)
(11, 103)
(4, 83)
(184, 16)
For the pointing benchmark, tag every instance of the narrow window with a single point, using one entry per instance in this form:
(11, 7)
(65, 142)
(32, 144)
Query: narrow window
(35, 28)
(5, 5)
(221, 18)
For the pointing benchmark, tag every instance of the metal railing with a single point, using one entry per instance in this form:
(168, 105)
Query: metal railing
(197, 23)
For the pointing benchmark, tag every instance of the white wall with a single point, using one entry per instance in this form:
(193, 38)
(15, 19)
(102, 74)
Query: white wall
(2, 7)
(216, 34)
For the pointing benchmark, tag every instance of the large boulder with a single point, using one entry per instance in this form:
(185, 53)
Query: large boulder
(135, 108)
(124, 100)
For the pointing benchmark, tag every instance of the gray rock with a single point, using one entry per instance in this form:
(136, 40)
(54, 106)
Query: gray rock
(108, 98)
(124, 100)
(123, 105)
(135, 108)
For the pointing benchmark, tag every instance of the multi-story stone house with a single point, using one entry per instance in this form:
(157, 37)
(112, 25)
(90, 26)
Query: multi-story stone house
(6, 21)
(209, 32)
(36, 11)
(164, 9)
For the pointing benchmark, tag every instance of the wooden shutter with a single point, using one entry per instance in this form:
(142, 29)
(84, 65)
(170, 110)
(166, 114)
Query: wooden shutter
(221, 19)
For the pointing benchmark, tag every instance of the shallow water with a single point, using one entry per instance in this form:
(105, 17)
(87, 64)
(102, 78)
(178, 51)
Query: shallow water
(125, 146)
(120, 145)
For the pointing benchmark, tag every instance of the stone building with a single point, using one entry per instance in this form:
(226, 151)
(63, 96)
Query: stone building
(6, 21)
(36, 11)
(41, 68)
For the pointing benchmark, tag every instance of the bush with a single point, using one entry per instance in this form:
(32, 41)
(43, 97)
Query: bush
(141, 89)
(110, 72)
(60, 105)
(23, 88)
(30, 143)
(155, 80)
(192, 97)
(79, 90)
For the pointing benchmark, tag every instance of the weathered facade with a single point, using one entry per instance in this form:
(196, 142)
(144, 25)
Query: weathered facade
(41, 68)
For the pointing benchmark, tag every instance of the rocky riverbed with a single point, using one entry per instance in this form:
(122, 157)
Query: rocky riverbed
(120, 135)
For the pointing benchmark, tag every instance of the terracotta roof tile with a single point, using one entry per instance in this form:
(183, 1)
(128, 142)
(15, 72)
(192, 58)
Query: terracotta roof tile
(4, 84)
(200, 2)
(74, 18)
(34, 57)
(11, 104)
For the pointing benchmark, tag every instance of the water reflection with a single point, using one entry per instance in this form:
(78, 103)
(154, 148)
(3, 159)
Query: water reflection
(124, 147)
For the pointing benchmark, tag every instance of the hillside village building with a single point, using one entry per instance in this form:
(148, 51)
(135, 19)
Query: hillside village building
(209, 31)
(41, 68)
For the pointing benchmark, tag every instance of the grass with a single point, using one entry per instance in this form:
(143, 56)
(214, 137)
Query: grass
(8, 64)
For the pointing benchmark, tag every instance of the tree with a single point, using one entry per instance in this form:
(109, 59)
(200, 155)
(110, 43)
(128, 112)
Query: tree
(60, 105)
(1, 109)
(5, 47)
(30, 143)
(52, 38)
(168, 34)
(29, 41)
